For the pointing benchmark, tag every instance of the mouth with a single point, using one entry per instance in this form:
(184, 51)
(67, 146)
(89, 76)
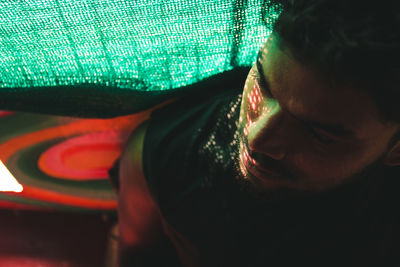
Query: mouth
(257, 170)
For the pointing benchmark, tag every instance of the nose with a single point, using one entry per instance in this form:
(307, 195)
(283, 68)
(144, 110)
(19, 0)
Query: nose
(269, 134)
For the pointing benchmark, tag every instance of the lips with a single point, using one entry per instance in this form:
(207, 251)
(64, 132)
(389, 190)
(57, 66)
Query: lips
(255, 168)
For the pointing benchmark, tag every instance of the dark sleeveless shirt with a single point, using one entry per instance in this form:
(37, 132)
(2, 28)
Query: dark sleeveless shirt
(189, 161)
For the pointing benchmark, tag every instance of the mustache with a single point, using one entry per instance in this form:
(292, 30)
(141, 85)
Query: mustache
(269, 163)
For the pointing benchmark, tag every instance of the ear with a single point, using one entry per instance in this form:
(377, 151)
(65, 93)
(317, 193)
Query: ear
(392, 158)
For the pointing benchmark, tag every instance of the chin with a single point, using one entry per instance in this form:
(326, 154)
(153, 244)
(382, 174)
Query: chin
(267, 191)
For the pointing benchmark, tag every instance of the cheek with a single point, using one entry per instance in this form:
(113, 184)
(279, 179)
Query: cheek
(253, 103)
(329, 166)
(256, 104)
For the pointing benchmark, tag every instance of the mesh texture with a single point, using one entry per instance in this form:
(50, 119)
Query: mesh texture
(115, 45)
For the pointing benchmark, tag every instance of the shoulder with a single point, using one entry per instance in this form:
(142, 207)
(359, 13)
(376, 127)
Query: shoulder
(138, 213)
(134, 147)
(174, 127)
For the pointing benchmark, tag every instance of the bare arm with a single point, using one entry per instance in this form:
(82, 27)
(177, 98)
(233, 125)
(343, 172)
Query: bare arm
(140, 227)
(143, 233)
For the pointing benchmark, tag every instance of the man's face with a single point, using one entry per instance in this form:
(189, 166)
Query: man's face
(301, 134)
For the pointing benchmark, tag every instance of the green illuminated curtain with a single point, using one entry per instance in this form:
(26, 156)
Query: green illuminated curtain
(103, 58)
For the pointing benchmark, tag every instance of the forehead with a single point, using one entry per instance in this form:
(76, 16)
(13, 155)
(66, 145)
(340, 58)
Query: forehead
(305, 94)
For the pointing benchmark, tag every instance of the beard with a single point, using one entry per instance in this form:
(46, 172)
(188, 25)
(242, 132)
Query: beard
(368, 180)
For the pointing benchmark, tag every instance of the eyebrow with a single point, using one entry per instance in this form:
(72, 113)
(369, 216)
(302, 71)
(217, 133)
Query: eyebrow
(336, 130)
(263, 80)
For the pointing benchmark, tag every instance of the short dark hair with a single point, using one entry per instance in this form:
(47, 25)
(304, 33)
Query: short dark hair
(348, 41)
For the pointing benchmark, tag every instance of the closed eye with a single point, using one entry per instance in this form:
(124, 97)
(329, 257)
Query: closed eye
(320, 137)
(264, 87)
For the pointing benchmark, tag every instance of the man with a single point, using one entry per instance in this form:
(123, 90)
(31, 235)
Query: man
(301, 168)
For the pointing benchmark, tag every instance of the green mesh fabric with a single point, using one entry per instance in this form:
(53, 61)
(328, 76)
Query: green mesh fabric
(101, 58)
